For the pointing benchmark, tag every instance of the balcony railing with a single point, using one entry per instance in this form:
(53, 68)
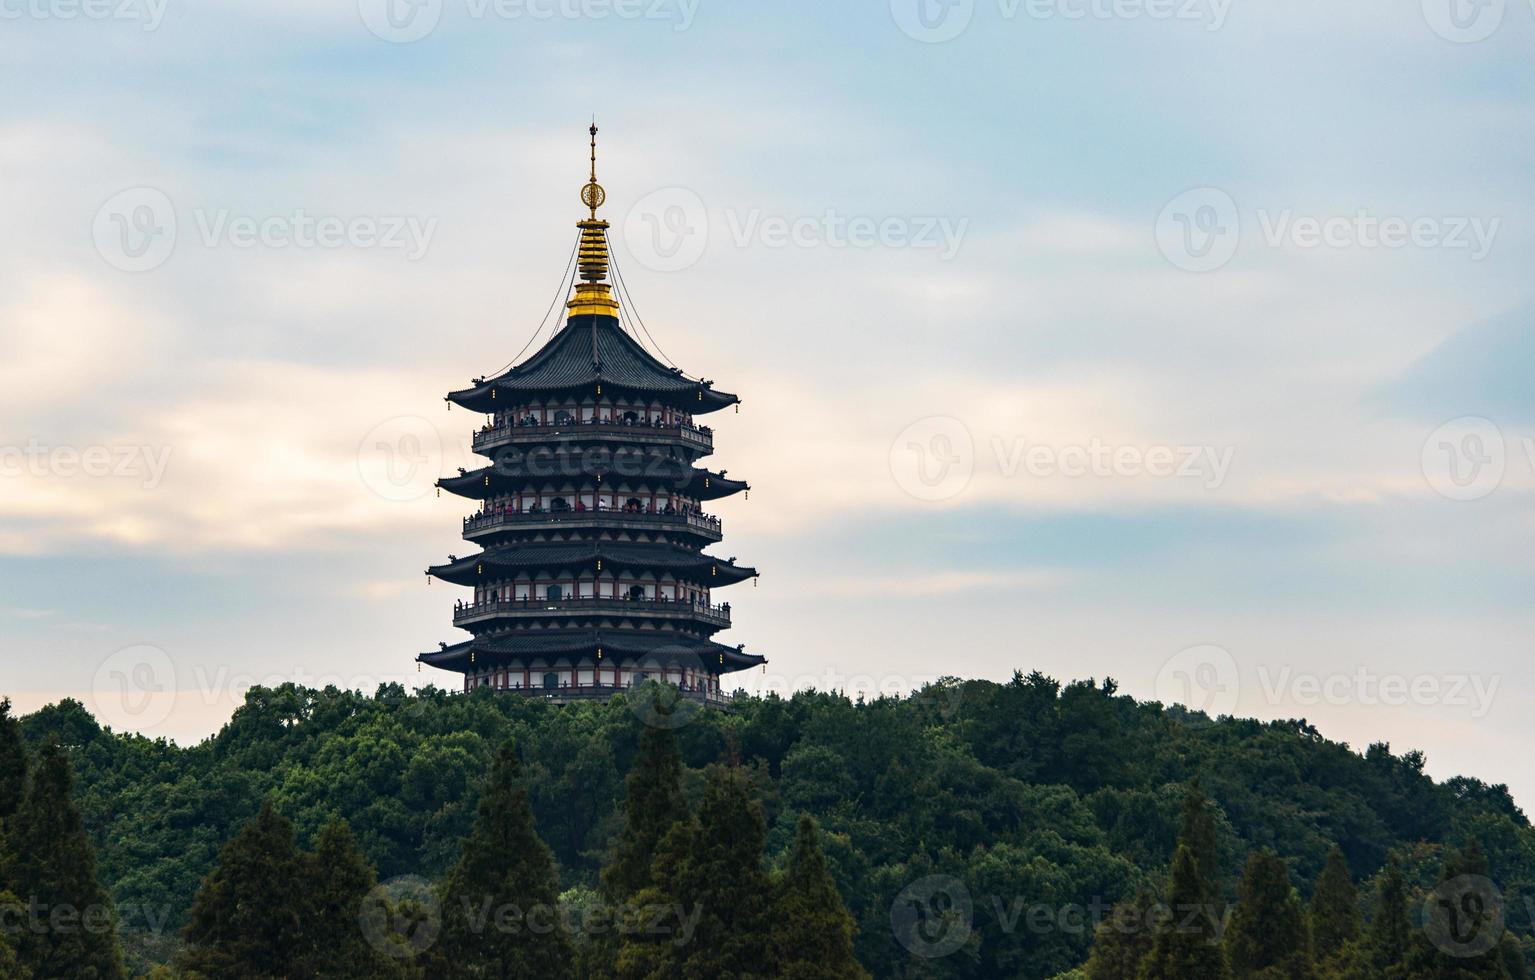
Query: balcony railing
(477, 523)
(700, 436)
(593, 692)
(657, 607)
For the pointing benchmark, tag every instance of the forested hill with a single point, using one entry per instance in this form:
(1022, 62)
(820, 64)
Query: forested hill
(1031, 793)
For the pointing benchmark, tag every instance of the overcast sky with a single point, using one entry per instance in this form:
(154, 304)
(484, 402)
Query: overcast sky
(1188, 343)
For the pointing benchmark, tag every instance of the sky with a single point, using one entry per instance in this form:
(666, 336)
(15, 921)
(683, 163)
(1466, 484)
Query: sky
(1183, 342)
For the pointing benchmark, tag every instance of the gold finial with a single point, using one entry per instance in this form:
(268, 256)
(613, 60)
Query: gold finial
(593, 294)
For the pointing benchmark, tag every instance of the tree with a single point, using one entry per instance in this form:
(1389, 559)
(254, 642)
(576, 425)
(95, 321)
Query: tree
(1268, 929)
(1334, 908)
(1461, 939)
(247, 921)
(1390, 930)
(500, 903)
(55, 877)
(1123, 939)
(812, 930)
(1196, 831)
(653, 804)
(1186, 946)
(338, 879)
(13, 763)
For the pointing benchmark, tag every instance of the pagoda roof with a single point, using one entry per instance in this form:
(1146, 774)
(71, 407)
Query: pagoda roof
(548, 556)
(678, 473)
(613, 643)
(592, 350)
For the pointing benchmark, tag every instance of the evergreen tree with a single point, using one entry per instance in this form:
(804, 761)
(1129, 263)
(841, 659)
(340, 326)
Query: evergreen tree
(1268, 929)
(1334, 908)
(54, 873)
(1458, 942)
(1390, 930)
(653, 803)
(500, 903)
(1196, 831)
(1186, 947)
(248, 919)
(1123, 940)
(13, 763)
(724, 884)
(812, 930)
(338, 879)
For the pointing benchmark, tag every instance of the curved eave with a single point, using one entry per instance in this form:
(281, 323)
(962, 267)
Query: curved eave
(693, 566)
(700, 484)
(615, 644)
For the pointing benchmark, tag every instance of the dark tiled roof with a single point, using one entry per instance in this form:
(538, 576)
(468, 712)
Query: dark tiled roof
(682, 562)
(675, 473)
(527, 644)
(588, 351)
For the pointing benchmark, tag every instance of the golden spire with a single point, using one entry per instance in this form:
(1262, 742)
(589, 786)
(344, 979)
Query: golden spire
(593, 294)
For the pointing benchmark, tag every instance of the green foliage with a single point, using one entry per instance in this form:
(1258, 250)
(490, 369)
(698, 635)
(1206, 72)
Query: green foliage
(1267, 936)
(1123, 939)
(653, 804)
(1187, 945)
(1334, 910)
(1390, 930)
(13, 763)
(72, 923)
(812, 930)
(500, 903)
(1030, 792)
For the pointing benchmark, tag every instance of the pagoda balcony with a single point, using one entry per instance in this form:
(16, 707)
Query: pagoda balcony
(477, 526)
(602, 692)
(695, 437)
(468, 614)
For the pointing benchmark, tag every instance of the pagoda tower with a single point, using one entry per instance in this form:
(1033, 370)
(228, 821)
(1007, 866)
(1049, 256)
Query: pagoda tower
(592, 574)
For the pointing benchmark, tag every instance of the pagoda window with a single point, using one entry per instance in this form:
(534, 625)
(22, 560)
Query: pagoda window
(551, 681)
(559, 505)
(554, 593)
(563, 417)
(636, 592)
(631, 417)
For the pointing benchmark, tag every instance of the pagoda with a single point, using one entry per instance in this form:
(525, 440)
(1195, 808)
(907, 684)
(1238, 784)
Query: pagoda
(591, 574)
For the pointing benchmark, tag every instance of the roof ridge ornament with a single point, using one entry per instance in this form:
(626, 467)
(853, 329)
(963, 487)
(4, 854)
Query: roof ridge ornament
(594, 295)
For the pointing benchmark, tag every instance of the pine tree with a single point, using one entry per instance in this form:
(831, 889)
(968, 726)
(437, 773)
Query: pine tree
(1390, 930)
(653, 803)
(247, 921)
(1187, 946)
(1334, 908)
(338, 878)
(812, 930)
(724, 884)
(1196, 831)
(1458, 941)
(500, 903)
(54, 873)
(1268, 928)
(13, 763)
(1123, 940)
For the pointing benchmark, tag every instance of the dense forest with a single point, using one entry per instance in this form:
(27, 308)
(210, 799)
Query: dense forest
(974, 829)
